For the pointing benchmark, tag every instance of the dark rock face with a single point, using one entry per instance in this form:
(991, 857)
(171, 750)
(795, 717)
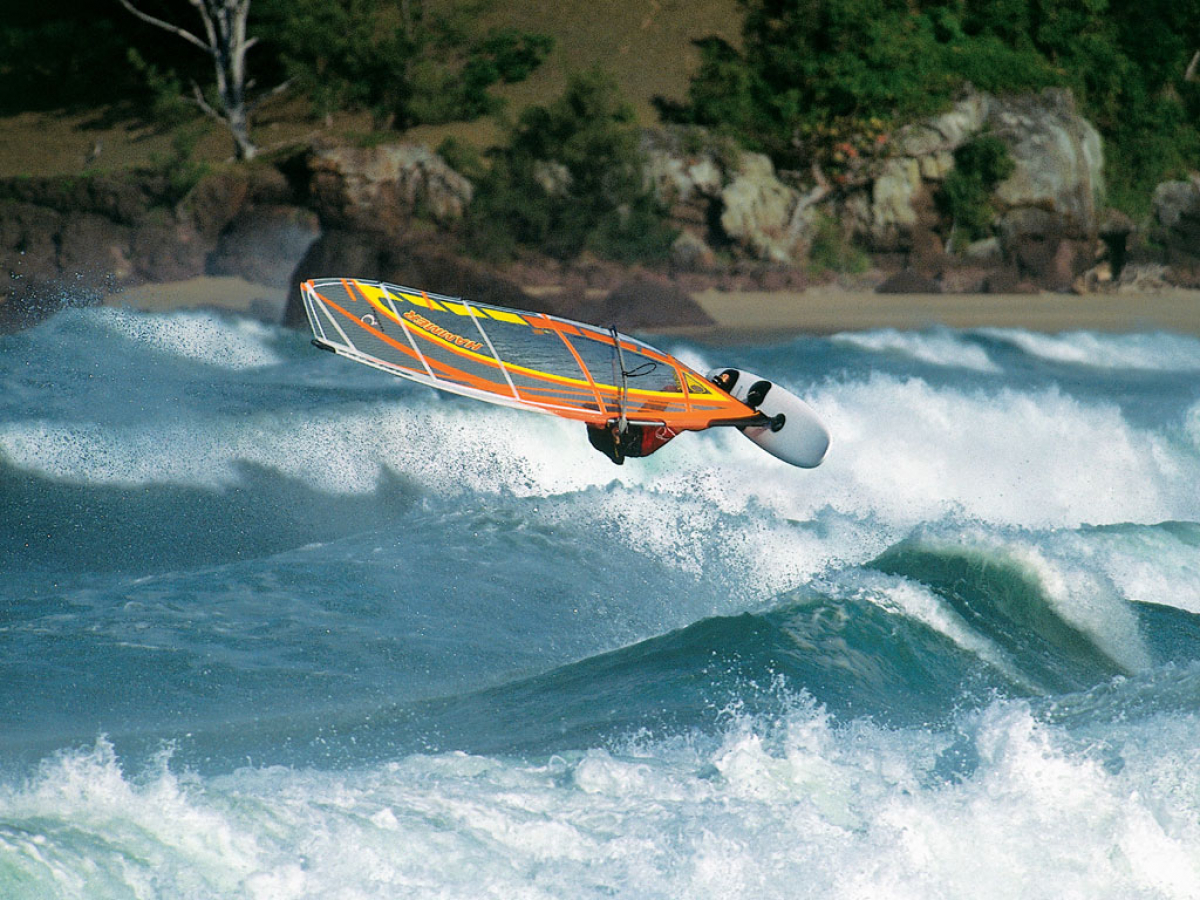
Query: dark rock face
(1007, 280)
(1176, 227)
(382, 188)
(909, 282)
(52, 259)
(264, 243)
(375, 257)
(647, 302)
(70, 241)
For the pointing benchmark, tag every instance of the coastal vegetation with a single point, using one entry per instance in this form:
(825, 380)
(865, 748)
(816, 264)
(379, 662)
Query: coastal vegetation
(407, 63)
(570, 178)
(979, 166)
(810, 64)
(821, 88)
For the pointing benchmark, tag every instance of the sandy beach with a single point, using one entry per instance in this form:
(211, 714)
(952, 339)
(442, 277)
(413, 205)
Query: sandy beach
(818, 310)
(827, 310)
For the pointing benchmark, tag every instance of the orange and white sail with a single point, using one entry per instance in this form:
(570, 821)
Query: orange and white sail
(511, 357)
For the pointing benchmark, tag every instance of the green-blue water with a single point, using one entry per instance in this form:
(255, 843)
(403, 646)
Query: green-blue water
(277, 626)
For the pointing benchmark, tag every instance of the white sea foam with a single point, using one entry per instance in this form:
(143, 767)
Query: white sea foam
(791, 808)
(228, 343)
(1146, 565)
(1148, 352)
(903, 451)
(906, 451)
(936, 348)
(1079, 592)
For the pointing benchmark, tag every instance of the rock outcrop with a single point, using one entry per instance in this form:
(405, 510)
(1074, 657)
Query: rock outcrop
(651, 302)
(1059, 162)
(390, 212)
(383, 188)
(72, 241)
(725, 199)
(1047, 211)
(1175, 226)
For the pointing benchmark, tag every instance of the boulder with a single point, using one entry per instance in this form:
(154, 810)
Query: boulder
(936, 166)
(984, 252)
(1144, 277)
(893, 193)
(649, 302)
(908, 282)
(1045, 248)
(1058, 156)
(1175, 201)
(683, 164)
(764, 215)
(964, 279)
(375, 257)
(162, 251)
(946, 132)
(1176, 221)
(1053, 194)
(725, 198)
(689, 253)
(1007, 280)
(381, 188)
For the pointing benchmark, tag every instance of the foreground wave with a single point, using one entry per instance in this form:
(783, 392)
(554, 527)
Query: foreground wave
(272, 635)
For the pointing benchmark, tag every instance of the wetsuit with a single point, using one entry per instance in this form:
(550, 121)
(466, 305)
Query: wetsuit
(638, 440)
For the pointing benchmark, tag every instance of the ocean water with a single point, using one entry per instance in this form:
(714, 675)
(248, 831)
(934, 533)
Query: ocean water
(274, 626)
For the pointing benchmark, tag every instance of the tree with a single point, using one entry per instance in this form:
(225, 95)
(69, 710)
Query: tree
(226, 42)
(408, 63)
(571, 179)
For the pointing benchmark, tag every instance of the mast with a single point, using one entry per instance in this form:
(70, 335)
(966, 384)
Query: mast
(623, 392)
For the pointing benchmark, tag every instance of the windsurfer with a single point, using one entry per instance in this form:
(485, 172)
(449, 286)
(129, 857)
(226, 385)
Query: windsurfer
(635, 440)
(642, 440)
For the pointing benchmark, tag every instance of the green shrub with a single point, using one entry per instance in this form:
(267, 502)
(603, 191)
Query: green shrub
(570, 179)
(632, 234)
(833, 251)
(168, 107)
(463, 158)
(407, 64)
(979, 166)
(810, 63)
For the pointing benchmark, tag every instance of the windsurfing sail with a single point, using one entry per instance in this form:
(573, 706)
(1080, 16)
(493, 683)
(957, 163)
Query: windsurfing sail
(514, 358)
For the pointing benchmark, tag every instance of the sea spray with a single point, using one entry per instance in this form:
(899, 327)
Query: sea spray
(275, 627)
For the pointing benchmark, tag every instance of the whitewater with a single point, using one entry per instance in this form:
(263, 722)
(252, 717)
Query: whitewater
(276, 626)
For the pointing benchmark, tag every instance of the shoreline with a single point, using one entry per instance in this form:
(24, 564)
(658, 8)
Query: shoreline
(822, 310)
(829, 310)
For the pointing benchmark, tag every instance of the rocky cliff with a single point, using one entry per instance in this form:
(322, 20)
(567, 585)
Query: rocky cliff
(392, 212)
(1047, 218)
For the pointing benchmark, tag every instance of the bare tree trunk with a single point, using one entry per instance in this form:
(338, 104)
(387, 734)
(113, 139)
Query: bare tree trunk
(225, 41)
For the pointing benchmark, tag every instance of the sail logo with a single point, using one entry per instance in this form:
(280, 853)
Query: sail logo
(437, 331)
